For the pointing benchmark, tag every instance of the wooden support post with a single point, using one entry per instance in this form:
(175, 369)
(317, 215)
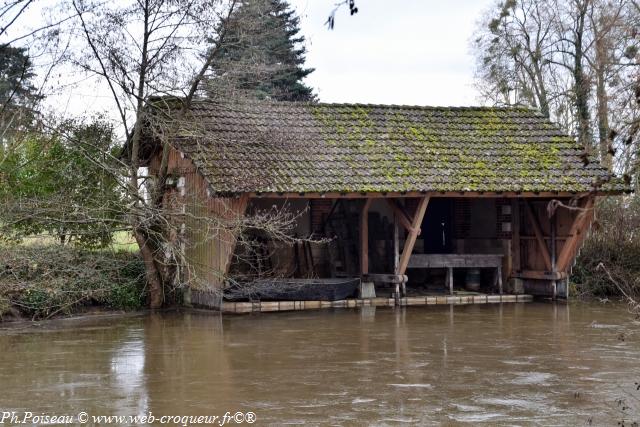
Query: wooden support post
(413, 235)
(396, 253)
(450, 279)
(554, 283)
(539, 237)
(577, 235)
(500, 279)
(396, 245)
(364, 237)
(516, 265)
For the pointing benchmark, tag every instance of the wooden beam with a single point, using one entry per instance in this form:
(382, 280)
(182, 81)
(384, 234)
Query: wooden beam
(578, 233)
(413, 235)
(385, 278)
(364, 237)
(542, 244)
(540, 275)
(400, 213)
(416, 194)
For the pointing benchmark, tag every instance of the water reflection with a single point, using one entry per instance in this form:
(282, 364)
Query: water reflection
(127, 373)
(550, 364)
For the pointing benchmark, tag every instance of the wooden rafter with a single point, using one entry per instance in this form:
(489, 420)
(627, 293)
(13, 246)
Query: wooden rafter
(578, 233)
(413, 235)
(364, 237)
(544, 250)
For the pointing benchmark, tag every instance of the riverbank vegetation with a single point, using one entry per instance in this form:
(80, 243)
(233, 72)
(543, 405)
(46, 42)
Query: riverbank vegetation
(42, 281)
(609, 263)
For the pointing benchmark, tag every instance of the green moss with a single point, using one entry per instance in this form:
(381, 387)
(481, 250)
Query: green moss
(414, 144)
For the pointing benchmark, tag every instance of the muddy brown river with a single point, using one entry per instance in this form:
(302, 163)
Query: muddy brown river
(511, 364)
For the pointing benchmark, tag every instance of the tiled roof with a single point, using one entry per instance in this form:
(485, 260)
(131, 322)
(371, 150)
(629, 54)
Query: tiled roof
(301, 147)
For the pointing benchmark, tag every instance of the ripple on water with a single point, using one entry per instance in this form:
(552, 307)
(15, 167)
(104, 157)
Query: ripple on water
(537, 378)
(359, 400)
(476, 417)
(312, 405)
(514, 403)
(403, 420)
(516, 362)
(597, 325)
(466, 408)
(411, 385)
(361, 362)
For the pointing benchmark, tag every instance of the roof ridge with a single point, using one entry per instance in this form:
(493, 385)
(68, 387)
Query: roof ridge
(236, 101)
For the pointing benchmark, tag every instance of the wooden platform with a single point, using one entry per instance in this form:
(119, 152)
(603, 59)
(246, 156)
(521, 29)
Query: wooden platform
(250, 307)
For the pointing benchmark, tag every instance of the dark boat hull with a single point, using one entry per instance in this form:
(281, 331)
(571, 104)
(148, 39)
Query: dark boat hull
(295, 290)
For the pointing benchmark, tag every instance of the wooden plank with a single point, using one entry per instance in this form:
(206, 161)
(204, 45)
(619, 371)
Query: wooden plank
(578, 233)
(541, 275)
(413, 235)
(364, 237)
(385, 278)
(455, 260)
(542, 245)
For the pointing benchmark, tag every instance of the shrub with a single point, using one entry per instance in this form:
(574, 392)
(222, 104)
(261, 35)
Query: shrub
(609, 263)
(5, 306)
(42, 281)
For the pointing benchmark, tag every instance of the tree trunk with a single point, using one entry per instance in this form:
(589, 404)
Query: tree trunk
(602, 107)
(152, 273)
(581, 84)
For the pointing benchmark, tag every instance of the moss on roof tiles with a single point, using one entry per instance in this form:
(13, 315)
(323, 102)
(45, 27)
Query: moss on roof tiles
(301, 147)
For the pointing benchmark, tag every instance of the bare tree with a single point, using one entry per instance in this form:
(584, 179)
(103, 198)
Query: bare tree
(572, 59)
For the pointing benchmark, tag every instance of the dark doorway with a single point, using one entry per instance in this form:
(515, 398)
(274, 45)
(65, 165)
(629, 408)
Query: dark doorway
(437, 227)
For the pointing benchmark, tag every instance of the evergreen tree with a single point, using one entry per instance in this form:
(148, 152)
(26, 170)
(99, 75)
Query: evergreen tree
(18, 96)
(16, 72)
(262, 54)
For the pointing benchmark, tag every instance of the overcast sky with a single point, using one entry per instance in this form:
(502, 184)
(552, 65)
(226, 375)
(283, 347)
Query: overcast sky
(393, 52)
(413, 52)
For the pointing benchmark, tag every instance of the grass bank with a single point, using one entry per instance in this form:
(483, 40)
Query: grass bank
(42, 281)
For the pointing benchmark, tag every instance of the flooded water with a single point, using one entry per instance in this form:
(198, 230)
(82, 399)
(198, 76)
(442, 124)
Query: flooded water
(515, 364)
